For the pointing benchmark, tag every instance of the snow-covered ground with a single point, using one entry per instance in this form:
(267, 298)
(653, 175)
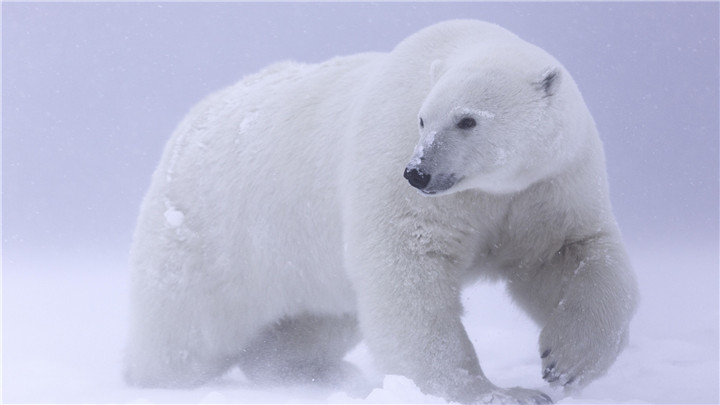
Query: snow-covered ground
(64, 327)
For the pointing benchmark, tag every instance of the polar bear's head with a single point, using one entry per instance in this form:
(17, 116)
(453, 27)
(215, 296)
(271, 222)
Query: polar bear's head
(494, 129)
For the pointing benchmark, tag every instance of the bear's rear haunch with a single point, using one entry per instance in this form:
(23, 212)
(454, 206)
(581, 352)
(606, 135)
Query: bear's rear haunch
(280, 229)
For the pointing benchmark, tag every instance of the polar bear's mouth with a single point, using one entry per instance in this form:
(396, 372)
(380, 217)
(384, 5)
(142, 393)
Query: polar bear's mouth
(441, 186)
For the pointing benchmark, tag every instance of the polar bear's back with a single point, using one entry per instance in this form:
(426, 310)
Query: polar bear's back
(246, 192)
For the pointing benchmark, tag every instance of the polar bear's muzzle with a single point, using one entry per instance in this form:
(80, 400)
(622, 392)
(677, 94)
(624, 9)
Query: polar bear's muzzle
(429, 184)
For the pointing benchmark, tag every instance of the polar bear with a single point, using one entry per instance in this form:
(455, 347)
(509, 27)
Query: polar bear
(310, 206)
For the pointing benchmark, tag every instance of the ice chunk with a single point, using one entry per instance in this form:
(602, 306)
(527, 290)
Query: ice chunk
(419, 151)
(472, 111)
(174, 217)
(248, 121)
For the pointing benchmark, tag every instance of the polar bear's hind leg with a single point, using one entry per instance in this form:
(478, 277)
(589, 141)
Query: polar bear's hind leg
(302, 349)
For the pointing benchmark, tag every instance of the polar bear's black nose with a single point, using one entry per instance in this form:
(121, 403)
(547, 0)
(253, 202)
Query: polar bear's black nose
(417, 178)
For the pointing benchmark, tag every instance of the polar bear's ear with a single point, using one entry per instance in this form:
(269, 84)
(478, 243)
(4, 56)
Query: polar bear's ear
(549, 81)
(436, 69)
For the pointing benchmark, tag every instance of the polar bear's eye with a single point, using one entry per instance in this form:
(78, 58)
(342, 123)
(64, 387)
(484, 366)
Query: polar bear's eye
(422, 124)
(466, 123)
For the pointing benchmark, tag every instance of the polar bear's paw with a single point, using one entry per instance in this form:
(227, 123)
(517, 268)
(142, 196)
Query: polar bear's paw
(483, 392)
(576, 353)
(516, 395)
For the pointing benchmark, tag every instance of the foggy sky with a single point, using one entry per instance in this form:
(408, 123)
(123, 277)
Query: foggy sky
(92, 91)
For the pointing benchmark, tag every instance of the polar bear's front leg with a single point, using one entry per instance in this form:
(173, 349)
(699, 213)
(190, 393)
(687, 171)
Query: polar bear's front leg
(583, 299)
(410, 315)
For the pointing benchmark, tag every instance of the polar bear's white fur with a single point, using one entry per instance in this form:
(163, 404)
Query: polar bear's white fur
(279, 230)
